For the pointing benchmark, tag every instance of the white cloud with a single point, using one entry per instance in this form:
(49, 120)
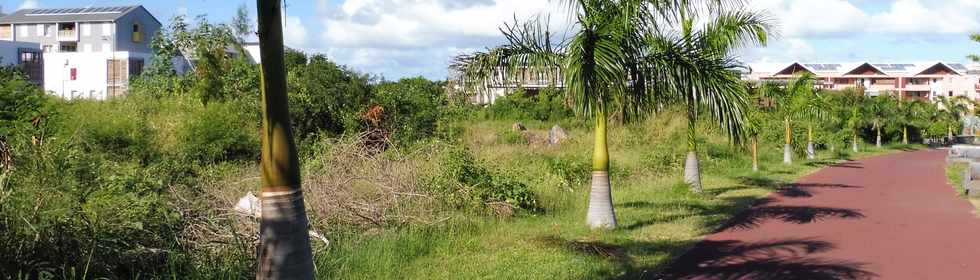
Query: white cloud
(295, 32)
(29, 4)
(800, 18)
(912, 17)
(416, 37)
(841, 18)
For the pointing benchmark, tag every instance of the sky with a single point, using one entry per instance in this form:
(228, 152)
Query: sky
(405, 38)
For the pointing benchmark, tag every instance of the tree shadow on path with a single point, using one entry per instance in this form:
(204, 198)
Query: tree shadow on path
(780, 259)
(762, 211)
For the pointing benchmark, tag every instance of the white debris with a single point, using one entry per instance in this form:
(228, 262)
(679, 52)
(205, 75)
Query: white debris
(249, 205)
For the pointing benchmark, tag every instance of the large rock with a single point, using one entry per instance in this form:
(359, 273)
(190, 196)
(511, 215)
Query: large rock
(965, 153)
(557, 135)
(971, 179)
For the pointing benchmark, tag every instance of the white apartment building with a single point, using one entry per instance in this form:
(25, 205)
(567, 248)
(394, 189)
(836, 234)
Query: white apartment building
(85, 52)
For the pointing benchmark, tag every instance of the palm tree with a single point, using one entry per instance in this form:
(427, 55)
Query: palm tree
(953, 109)
(881, 110)
(284, 242)
(797, 101)
(976, 38)
(754, 119)
(615, 61)
(722, 96)
(912, 114)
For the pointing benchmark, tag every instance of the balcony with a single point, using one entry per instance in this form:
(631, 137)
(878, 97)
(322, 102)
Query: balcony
(67, 32)
(882, 87)
(911, 87)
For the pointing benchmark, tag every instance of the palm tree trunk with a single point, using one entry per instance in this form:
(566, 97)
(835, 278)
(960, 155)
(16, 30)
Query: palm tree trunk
(854, 141)
(755, 153)
(692, 172)
(877, 135)
(810, 152)
(905, 135)
(788, 149)
(600, 213)
(949, 134)
(284, 240)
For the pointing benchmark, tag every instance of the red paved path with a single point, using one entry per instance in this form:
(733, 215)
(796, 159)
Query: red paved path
(887, 217)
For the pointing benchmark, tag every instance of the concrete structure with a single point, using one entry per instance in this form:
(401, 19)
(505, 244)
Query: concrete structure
(26, 55)
(86, 52)
(928, 80)
(487, 91)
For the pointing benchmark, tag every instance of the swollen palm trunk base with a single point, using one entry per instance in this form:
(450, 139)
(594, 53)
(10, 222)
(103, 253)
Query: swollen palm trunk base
(601, 214)
(878, 141)
(285, 242)
(692, 172)
(854, 146)
(810, 152)
(787, 154)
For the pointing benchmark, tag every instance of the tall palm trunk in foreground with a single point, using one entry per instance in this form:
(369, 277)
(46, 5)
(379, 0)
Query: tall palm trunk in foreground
(788, 149)
(600, 213)
(692, 172)
(810, 152)
(284, 241)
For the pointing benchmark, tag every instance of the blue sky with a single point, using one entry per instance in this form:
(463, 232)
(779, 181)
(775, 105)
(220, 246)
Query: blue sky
(400, 38)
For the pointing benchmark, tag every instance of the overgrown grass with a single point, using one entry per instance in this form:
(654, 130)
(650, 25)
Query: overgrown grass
(659, 218)
(955, 172)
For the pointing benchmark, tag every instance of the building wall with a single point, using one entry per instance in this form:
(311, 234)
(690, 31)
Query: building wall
(9, 54)
(124, 31)
(92, 70)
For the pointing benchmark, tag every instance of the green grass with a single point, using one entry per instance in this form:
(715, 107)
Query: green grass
(658, 217)
(955, 172)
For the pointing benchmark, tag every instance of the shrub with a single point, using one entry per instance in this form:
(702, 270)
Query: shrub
(218, 132)
(467, 182)
(546, 105)
(325, 98)
(412, 107)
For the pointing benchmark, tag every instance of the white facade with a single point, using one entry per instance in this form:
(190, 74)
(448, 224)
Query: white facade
(91, 80)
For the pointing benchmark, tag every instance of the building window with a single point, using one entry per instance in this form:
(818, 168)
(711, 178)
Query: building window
(22, 30)
(951, 93)
(6, 31)
(86, 29)
(68, 47)
(135, 66)
(137, 33)
(107, 29)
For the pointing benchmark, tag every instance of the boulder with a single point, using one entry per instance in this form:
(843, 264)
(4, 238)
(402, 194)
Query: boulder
(971, 179)
(557, 135)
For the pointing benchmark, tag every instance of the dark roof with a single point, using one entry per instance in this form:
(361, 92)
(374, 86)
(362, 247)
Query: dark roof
(48, 15)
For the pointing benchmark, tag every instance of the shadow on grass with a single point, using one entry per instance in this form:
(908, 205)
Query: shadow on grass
(780, 259)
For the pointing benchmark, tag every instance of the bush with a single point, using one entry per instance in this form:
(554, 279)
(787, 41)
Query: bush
(546, 105)
(325, 98)
(217, 133)
(466, 182)
(412, 107)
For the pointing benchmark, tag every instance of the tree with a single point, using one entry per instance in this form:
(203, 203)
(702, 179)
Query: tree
(976, 38)
(953, 109)
(284, 242)
(881, 111)
(615, 62)
(754, 120)
(796, 102)
(241, 24)
(723, 96)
